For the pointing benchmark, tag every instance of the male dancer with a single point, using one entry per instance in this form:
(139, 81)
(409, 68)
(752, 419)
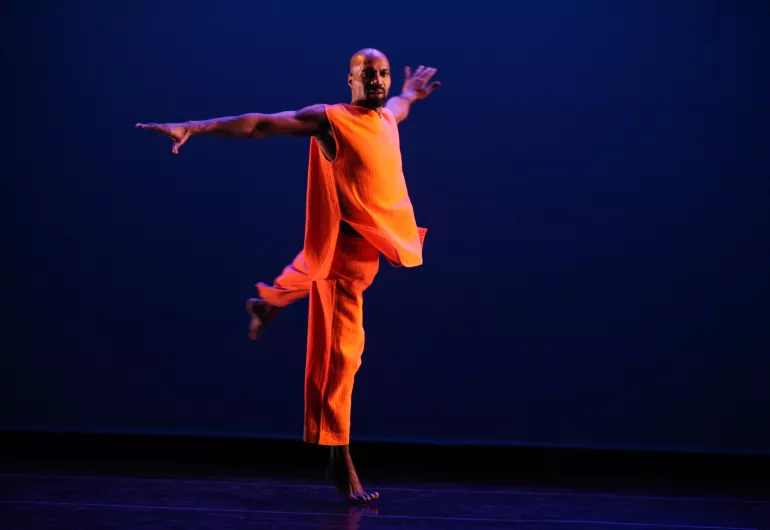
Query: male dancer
(357, 207)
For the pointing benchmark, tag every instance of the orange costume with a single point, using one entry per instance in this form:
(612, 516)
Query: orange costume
(364, 187)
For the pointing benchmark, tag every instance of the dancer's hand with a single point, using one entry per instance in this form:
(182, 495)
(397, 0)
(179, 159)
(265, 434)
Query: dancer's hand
(178, 132)
(416, 87)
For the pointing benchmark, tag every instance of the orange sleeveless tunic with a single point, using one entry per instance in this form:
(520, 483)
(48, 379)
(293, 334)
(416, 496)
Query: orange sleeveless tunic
(364, 186)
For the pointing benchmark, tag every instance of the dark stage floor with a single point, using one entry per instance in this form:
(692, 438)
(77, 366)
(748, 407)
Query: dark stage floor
(115, 483)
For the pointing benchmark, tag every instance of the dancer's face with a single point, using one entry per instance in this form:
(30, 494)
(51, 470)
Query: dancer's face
(369, 79)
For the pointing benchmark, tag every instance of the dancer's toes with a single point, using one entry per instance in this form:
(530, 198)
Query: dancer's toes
(364, 498)
(368, 497)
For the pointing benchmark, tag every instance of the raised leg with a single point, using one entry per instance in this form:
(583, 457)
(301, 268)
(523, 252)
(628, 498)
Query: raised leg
(291, 285)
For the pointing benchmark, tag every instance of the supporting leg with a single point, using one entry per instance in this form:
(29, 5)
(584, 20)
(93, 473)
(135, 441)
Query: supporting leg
(335, 348)
(335, 345)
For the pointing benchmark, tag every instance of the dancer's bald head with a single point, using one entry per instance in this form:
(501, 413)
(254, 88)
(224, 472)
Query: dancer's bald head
(364, 55)
(369, 78)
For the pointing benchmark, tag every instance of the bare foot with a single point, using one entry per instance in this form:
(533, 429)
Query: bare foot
(261, 314)
(341, 473)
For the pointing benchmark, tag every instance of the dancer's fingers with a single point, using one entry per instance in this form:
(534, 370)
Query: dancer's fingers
(180, 143)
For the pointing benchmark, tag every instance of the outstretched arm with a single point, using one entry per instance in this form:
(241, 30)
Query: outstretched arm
(309, 121)
(415, 88)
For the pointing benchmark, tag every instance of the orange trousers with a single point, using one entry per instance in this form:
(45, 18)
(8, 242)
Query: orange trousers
(335, 340)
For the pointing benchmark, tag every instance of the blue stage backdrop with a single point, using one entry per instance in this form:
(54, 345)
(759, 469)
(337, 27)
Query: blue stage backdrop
(594, 176)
